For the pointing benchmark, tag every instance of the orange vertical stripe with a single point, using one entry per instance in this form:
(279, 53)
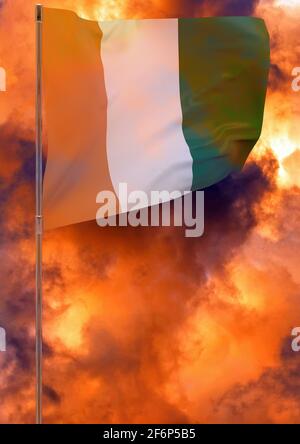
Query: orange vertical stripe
(76, 108)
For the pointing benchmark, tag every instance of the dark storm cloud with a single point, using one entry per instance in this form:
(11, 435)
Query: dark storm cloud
(234, 7)
(53, 276)
(106, 353)
(277, 77)
(20, 150)
(51, 394)
(121, 364)
(192, 8)
(16, 172)
(23, 346)
(278, 386)
(229, 217)
(235, 196)
(17, 310)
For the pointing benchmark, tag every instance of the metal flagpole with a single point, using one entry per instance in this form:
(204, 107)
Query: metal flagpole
(39, 216)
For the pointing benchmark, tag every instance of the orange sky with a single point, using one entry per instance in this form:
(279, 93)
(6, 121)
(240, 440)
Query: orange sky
(144, 325)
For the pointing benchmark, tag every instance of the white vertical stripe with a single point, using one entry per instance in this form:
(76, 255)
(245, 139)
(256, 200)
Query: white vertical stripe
(145, 141)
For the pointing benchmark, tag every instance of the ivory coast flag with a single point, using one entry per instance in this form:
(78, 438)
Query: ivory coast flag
(161, 105)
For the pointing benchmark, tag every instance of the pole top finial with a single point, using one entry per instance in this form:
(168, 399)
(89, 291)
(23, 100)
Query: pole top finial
(39, 12)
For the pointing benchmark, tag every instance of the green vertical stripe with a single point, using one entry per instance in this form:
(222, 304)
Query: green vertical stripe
(224, 64)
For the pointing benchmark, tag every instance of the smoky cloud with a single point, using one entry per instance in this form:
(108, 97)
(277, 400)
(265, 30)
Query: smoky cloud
(144, 325)
(191, 8)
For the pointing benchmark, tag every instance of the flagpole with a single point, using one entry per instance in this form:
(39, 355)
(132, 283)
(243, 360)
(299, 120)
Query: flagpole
(39, 214)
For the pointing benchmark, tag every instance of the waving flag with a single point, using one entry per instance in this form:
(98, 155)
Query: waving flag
(166, 104)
